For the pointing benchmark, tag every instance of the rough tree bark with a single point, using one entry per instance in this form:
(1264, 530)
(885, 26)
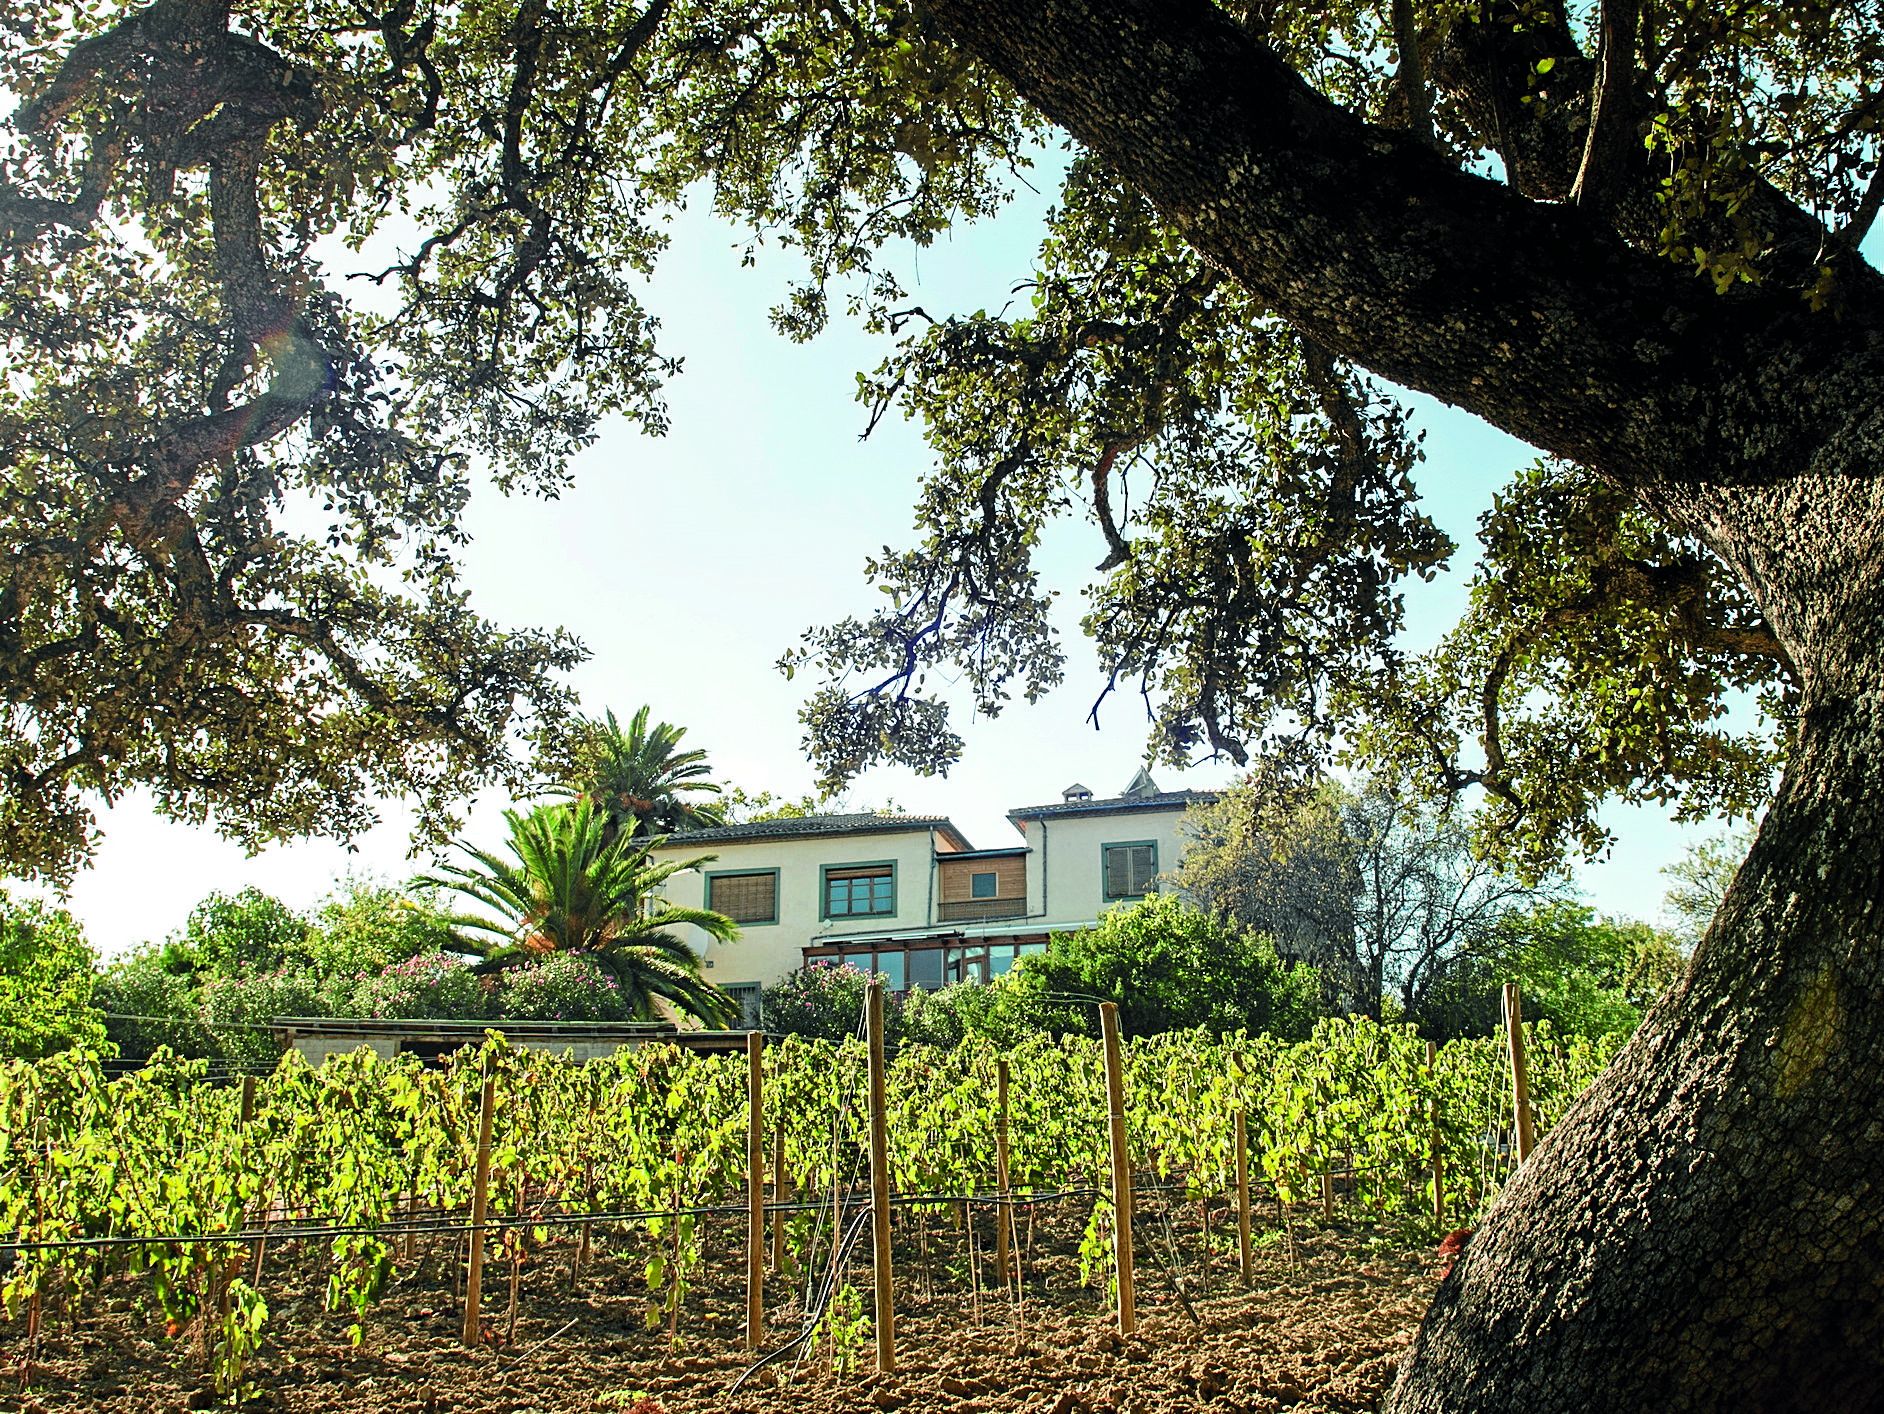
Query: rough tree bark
(1704, 1230)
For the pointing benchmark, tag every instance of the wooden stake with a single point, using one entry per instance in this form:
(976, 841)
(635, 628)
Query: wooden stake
(1243, 1262)
(42, 1159)
(880, 1183)
(1439, 1153)
(781, 1195)
(248, 1100)
(480, 1201)
(1121, 1166)
(585, 1245)
(1520, 1080)
(1327, 1195)
(1003, 1214)
(755, 1189)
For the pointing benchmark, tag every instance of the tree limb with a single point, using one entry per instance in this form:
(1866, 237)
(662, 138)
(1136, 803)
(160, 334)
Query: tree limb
(1441, 280)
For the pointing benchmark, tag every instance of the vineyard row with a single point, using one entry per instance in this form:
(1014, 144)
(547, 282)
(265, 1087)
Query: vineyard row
(184, 1184)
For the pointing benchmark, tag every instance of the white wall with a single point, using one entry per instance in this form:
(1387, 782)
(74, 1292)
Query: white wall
(1068, 874)
(765, 952)
(1065, 884)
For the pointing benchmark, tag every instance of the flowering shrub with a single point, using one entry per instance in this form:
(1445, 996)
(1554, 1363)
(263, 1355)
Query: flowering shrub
(822, 999)
(560, 987)
(433, 986)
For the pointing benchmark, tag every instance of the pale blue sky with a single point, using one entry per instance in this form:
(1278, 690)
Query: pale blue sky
(689, 563)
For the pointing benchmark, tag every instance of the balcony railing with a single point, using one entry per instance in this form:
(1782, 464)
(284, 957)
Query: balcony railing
(979, 909)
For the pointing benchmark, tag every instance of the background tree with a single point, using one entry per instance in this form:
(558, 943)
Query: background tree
(567, 888)
(47, 980)
(1699, 881)
(1661, 288)
(365, 926)
(226, 934)
(743, 808)
(637, 778)
(1381, 895)
(1170, 967)
(1272, 855)
(1586, 974)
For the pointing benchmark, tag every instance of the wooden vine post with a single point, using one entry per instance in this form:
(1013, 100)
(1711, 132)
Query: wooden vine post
(42, 1160)
(755, 1189)
(1121, 1166)
(1520, 1078)
(880, 1183)
(781, 1195)
(245, 1115)
(480, 1203)
(585, 1243)
(1003, 1213)
(1439, 1153)
(1243, 1261)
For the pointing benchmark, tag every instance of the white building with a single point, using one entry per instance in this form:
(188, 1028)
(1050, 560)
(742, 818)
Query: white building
(908, 896)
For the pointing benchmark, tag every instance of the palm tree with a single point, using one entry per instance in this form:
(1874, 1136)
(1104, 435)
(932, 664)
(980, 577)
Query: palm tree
(570, 888)
(637, 777)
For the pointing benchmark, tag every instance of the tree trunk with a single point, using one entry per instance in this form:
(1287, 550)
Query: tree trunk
(1705, 1229)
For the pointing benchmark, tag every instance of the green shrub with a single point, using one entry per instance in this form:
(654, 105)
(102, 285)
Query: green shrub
(1171, 967)
(47, 982)
(1005, 1012)
(560, 987)
(161, 1003)
(236, 1011)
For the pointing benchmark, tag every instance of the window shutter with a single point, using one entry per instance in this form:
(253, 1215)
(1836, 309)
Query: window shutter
(744, 898)
(1144, 867)
(1130, 869)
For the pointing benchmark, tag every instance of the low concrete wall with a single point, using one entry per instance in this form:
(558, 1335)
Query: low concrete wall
(315, 1049)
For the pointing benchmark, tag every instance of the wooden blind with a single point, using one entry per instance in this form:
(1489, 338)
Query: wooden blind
(744, 898)
(860, 871)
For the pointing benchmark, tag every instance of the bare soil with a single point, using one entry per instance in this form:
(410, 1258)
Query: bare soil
(1329, 1314)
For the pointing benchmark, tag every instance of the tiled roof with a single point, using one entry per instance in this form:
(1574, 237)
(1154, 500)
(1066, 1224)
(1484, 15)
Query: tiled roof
(815, 827)
(1163, 800)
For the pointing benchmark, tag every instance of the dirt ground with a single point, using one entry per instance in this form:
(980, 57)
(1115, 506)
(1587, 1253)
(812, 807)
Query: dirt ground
(1329, 1314)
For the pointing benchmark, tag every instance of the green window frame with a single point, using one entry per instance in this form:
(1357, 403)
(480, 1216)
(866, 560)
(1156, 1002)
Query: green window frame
(754, 922)
(866, 889)
(1128, 868)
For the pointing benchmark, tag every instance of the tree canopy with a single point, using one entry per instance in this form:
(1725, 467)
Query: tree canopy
(275, 276)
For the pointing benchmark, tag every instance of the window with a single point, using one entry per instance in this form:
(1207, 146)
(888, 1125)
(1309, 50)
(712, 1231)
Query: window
(925, 968)
(890, 965)
(1129, 869)
(745, 898)
(859, 890)
(747, 995)
(984, 885)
